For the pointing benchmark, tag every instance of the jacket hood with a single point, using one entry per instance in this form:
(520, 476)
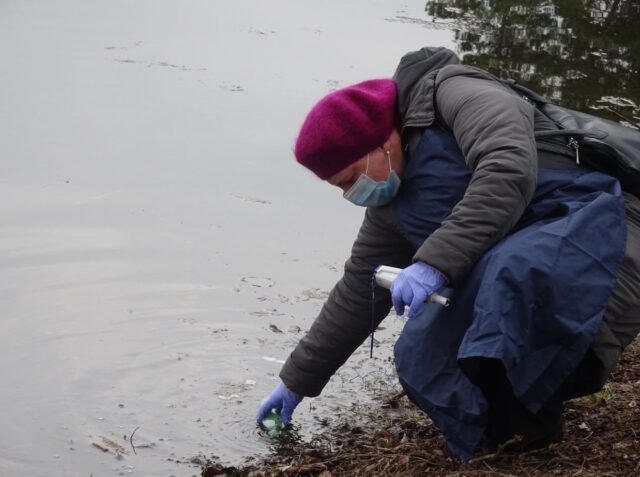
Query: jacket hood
(415, 79)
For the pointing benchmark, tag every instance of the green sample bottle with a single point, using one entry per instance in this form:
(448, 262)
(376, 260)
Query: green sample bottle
(273, 424)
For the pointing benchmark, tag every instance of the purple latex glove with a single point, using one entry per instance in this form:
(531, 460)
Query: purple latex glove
(282, 401)
(414, 285)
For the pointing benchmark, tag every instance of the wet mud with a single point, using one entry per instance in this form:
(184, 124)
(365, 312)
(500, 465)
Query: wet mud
(393, 438)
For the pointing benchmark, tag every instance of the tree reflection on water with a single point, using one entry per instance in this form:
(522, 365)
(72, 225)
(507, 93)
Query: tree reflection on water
(583, 54)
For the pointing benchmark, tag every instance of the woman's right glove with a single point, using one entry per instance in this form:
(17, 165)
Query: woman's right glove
(282, 401)
(414, 285)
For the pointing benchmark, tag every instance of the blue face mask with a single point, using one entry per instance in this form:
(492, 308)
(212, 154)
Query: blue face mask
(369, 193)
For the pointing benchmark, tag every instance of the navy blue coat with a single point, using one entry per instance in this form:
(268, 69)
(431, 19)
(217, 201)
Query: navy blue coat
(534, 301)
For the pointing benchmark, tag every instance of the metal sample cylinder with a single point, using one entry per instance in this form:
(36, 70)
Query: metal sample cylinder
(385, 276)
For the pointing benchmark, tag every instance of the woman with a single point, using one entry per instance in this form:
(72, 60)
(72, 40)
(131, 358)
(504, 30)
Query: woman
(542, 253)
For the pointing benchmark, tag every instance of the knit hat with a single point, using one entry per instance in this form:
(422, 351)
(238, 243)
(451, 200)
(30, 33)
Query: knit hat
(345, 125)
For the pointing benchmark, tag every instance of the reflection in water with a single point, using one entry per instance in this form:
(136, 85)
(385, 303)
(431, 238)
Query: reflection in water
(584, 54)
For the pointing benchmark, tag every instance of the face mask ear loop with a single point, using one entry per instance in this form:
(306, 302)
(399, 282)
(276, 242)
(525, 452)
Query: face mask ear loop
(389, 157)
(367, 169)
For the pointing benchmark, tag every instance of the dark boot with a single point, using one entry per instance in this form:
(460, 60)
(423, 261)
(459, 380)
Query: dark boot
(507, 416)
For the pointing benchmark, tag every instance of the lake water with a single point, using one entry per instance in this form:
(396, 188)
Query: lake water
(161, 252)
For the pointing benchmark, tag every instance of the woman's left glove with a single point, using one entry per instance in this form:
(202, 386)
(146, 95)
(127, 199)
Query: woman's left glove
(414, 285)
(280, 400)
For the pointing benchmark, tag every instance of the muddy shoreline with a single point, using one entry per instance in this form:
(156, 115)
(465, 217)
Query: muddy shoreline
(395, 439)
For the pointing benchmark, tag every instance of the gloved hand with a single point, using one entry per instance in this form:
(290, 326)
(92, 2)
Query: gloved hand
(282, 401)
(414, 285)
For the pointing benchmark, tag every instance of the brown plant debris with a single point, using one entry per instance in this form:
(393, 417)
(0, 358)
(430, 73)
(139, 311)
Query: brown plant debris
(602, 438)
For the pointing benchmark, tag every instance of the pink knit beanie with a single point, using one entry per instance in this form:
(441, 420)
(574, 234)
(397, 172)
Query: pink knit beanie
(345, 125)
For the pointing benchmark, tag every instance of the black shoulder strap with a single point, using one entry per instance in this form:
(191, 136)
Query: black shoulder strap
(525, 92)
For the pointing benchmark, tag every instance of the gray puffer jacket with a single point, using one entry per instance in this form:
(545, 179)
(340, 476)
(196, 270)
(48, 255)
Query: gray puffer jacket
(494, 128)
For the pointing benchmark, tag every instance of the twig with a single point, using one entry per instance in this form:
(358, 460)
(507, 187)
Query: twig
(131, 440)
(98, 446)
(498, 452)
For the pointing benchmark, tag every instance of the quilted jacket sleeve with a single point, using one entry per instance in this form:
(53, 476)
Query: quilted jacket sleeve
(495, 131)
(345, 319)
